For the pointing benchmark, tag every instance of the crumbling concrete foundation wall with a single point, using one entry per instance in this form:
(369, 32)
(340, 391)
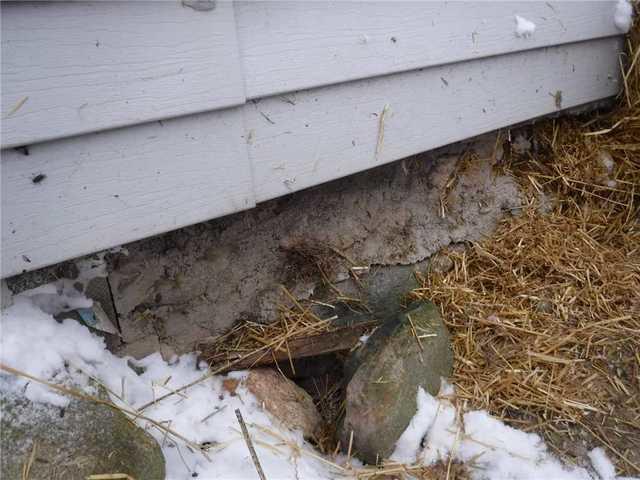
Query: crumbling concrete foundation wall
(175, 289)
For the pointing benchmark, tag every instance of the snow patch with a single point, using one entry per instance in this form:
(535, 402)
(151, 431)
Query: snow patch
(57, 297)
(67, 352)
(35, 343)
(524, 28)
(606, 160)
(491, 449)
(623, 15)
(406, 450)
(601, 464)
(442, 434)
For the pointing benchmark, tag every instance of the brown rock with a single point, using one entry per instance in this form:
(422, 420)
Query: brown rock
(230, 385)
(284, 400)
(168, 353)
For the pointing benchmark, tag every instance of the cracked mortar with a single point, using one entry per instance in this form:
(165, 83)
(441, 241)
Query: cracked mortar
(175, 289)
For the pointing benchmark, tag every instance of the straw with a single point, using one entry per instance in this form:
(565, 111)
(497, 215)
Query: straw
(545, 314)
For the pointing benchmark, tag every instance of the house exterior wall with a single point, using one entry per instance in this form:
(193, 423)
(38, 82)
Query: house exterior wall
(126, 120)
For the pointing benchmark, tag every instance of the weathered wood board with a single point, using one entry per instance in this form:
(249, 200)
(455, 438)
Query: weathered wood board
(75, 67)
(344, 338)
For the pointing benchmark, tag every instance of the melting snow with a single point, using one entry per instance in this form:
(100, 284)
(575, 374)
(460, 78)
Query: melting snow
(491, 449)
(623, 15)
(524, 28)
(67, 352)
(606, 160)
(601, 464)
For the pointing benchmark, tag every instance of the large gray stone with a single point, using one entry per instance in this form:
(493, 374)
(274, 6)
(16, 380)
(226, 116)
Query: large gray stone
(83, 439)
(382, 292)
(381, 395)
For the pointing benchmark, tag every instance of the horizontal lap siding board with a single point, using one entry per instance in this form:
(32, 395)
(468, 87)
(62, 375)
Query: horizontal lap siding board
(85, 193)
(287, 46)
(105, 189)
(75, 67)
(330, 132)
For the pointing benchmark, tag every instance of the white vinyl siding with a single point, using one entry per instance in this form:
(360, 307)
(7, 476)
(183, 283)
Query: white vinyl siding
(142, 117)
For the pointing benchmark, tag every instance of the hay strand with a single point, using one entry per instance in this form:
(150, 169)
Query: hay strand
(545, 314)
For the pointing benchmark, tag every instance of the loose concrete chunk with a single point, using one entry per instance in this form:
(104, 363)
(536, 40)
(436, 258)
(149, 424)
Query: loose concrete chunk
(287, 402)
(402, 355)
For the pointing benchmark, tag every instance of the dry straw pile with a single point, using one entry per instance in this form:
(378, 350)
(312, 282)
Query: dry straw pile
(545, 314)
(258, 341)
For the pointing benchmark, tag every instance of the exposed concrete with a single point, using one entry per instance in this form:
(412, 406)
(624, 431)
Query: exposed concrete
(199, 280)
